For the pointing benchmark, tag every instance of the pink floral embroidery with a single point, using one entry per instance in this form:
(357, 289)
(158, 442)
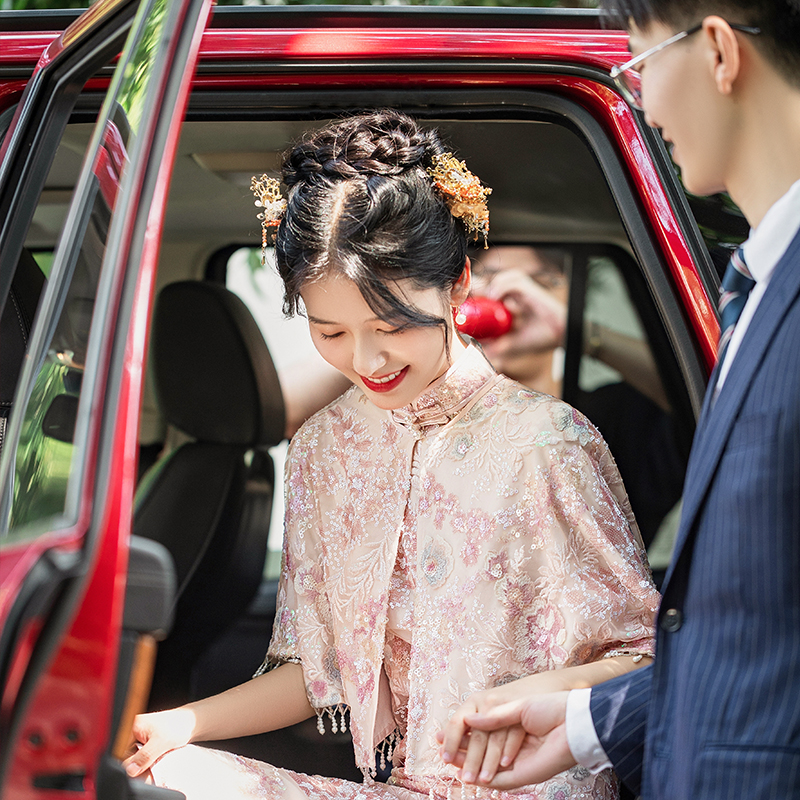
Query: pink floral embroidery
(492, 544)
(475, 527)
(319, 688)
(461, 446)
(516, 593)
(309, 582)
(573, 424)
(497, 565)
(559, 791)
(437, 561)
(540, 638)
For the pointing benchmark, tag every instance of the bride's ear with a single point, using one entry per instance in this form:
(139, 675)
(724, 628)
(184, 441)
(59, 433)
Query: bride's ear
(461, 287)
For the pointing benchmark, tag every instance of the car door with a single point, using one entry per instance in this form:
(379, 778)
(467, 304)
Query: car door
(69, 453)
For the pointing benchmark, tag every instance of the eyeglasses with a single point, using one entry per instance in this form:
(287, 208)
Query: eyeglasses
(549, 278)
(629, 80)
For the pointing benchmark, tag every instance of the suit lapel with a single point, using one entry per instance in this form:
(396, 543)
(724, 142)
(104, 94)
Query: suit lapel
(717, 416)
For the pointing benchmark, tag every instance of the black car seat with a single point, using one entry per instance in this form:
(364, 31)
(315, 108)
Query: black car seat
(209, 501)
(15, 328)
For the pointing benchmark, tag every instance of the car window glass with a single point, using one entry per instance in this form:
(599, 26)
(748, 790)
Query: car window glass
(289, 342)
(42, 234)
(608, 304)
(51, 210)
(44, 454)
(624, 389)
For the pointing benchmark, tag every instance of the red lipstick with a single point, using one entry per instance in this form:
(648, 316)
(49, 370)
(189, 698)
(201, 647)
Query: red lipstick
(385, 386)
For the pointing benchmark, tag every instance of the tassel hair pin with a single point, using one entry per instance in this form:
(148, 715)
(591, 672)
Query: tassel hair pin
(268, 196)
(463, 193)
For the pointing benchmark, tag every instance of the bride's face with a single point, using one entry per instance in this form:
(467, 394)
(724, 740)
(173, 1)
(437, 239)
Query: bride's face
(392, 365)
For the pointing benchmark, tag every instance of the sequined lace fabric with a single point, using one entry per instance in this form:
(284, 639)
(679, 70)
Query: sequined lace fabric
(477, 536)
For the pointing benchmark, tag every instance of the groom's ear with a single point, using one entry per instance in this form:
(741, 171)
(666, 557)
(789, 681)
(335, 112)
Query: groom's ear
(723, 53)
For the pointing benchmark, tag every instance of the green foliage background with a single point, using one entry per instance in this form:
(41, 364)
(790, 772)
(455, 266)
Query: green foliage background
(42, 4)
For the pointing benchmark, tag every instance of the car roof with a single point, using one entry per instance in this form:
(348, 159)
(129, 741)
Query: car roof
(260, 16)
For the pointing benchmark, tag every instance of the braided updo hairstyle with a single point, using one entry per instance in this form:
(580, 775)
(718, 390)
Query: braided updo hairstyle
(360, 204)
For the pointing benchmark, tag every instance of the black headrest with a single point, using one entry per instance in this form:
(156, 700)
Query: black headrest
(16, 321)
(215, 379)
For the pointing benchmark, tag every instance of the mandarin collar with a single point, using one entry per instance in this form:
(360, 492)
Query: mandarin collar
(448, 395)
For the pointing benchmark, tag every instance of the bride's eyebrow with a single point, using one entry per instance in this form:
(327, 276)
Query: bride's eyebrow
(318, 321)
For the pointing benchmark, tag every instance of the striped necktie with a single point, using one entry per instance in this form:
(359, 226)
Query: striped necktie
(736, 286)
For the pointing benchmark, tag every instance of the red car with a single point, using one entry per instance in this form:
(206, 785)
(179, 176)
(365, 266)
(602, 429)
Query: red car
(128, 136)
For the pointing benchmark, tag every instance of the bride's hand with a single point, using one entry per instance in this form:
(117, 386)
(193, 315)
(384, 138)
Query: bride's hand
(508, 738)
(517, 730)
(484, 752)
(157, 734)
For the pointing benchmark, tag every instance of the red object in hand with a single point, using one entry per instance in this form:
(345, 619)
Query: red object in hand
(483, 318)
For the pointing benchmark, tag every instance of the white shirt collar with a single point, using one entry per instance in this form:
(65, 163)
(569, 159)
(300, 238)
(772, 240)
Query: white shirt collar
(762, 251)
(769, 241)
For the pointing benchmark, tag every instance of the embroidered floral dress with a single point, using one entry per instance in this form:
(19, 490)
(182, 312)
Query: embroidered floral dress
(479, 535)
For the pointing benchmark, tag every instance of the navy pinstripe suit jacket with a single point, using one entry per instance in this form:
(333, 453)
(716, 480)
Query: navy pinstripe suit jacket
(718, 713)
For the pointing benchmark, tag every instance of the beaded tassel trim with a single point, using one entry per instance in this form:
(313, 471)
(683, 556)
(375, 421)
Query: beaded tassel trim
(332, 711)
(384, 750)
(387, 747)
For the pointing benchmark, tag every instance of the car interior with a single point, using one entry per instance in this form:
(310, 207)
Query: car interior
(212, 425)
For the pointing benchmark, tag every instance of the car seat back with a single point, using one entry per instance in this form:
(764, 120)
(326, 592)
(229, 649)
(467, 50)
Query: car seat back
(209, 501)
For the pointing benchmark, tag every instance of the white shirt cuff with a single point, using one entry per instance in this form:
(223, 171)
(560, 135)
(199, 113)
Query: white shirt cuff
(581, 735)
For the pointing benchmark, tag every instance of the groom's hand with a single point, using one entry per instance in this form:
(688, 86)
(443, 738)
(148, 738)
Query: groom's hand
(508, 744)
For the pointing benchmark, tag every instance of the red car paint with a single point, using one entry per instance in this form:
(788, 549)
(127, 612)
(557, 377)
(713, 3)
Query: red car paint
(65, 730)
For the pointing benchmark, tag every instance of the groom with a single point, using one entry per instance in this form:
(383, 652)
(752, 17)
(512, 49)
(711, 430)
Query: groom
(718, 713)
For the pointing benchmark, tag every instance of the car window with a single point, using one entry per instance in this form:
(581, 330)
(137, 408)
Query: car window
(289, 342)
(59, 187)
(35, 262)
(44, 454)
(627, 387)
(608, 305)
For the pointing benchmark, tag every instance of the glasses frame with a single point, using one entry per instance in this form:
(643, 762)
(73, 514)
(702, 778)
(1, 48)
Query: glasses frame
(625, 76)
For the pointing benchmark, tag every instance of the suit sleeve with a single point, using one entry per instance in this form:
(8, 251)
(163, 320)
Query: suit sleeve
(619, 712)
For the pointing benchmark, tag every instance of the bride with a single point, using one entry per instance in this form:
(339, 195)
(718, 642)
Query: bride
(447, 529)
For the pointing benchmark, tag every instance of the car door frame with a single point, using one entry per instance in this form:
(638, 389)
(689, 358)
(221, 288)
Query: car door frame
(69, 583)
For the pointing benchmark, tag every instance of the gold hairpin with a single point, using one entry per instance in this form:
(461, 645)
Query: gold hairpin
(463, 193)
(268, 196)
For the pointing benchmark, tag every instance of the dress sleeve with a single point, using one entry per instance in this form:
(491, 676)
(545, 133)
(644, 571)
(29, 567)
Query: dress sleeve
(303, 630)
(597, 575)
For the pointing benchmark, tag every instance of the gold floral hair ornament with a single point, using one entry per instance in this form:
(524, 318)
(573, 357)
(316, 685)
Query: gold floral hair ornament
(463, 193)
(268, 196)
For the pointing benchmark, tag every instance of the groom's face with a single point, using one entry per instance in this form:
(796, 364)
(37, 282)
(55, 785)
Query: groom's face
(680, 97)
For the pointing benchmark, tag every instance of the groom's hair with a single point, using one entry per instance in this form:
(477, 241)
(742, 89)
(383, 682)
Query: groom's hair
(778, 20)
